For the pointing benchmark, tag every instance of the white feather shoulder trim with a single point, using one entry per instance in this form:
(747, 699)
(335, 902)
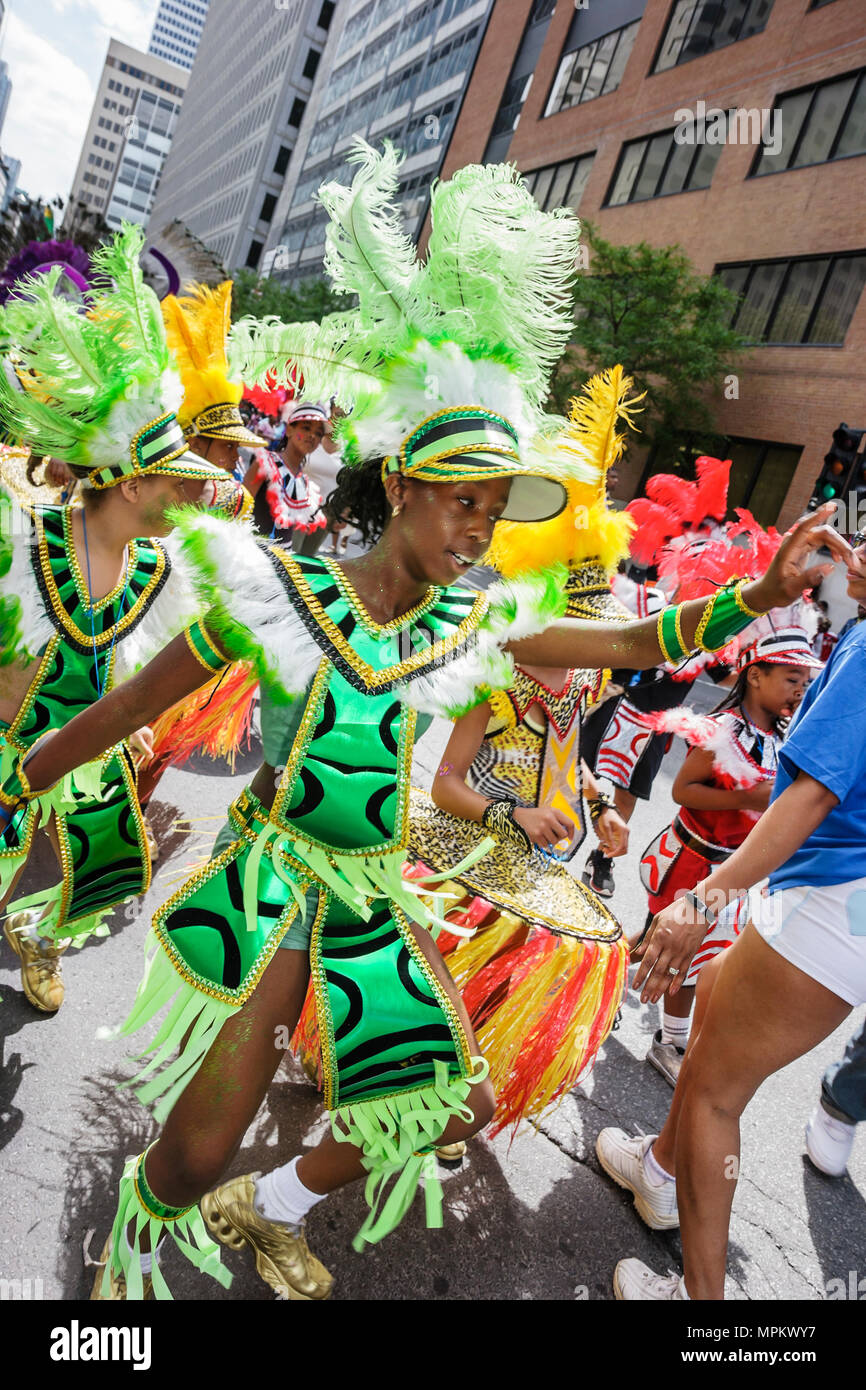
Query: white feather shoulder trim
(20, 580)
(175, 607)
(249, 589)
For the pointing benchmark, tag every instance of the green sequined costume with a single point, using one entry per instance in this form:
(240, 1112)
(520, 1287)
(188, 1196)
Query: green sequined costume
(331, 850)
(100, 829)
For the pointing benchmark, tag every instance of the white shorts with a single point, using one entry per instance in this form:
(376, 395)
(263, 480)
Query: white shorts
(821, 930)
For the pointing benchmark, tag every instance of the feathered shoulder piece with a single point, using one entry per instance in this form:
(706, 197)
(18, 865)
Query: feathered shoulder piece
(716, 734)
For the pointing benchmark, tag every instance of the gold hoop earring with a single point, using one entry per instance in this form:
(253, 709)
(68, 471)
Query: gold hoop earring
(395, 511)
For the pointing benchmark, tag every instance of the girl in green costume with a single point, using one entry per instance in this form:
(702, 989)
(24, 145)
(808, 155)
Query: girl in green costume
(312, 856)
(88, 599)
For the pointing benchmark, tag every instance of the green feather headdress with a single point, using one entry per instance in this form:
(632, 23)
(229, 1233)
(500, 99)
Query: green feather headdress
(98, 387)
(445, 363)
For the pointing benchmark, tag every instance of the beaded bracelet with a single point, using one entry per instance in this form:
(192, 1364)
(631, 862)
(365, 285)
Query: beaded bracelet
(598, 805)
(499, 818)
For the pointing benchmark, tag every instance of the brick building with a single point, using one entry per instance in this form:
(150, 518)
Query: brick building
(586, 99)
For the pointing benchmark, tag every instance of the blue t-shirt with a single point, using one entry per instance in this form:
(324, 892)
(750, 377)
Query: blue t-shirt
(827, 740)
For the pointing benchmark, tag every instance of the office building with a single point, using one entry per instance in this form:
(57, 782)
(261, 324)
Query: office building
(391, 70)
(736, 128)
(177, 30)
(138, 101)
(246, 97)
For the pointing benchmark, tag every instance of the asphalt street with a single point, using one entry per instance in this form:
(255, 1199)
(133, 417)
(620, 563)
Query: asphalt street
(530, 1218)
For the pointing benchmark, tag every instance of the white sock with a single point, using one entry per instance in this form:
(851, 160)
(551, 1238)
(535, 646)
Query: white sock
(675, 1030)
(281, 1196)
(656, 1174)
(145, 1257)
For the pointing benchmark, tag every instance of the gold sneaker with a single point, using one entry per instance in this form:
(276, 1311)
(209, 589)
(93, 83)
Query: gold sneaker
(452, 1155)
(117, 1287)
(283, 1258)
(40, 963)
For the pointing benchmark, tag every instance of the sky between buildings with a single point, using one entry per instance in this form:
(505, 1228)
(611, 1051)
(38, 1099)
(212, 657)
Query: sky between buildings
(55, 50)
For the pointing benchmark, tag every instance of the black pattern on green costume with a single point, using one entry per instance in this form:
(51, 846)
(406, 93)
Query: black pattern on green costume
(384, 1018)
(103, 841)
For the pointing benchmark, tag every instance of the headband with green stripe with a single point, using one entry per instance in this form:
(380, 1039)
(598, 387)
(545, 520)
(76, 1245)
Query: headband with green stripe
(159, 447)
(472, 444)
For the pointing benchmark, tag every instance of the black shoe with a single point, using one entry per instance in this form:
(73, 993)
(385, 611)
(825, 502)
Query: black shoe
(598, 874)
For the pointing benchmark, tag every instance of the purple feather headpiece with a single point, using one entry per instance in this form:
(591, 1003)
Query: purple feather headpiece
(39, 256)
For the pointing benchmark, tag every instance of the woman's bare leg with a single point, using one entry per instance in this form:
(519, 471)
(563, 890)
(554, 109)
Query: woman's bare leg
(208, 1123)
(665, 1146)
(750, 1031)
(205, 1128)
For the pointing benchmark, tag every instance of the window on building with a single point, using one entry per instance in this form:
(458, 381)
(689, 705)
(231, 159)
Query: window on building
(695, 29)
(281, 162)
(326, 14)
(761, 471)
(814, 125)
(269, 202)
(560, 185)
(311, 63)
(810, 300)
(297, 111)
(254, 255)
(664, 163)
(591, 71)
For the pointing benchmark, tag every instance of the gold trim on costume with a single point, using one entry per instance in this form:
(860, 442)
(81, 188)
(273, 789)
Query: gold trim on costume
(373, 679)
(131, 614)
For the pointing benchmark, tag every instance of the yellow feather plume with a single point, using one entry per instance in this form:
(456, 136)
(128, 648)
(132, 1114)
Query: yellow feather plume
(196, 326)
(588, 446)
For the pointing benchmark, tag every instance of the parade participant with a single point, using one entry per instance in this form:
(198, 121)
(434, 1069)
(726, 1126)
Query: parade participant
(288, 502)
(94, 599)
(197, 326)
(676, 519)
(312, 856)
(722, 787)
(216, 719)
(789, 980)
(543, 978)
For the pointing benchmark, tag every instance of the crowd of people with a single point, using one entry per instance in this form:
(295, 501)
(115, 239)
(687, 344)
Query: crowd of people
(441, 959)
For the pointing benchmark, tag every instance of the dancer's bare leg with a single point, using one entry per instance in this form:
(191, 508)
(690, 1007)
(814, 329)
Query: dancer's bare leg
(749, 1032)
(207, 1125)
(664, 1148)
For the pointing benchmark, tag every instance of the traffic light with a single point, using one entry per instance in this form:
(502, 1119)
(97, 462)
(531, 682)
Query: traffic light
(842, 470)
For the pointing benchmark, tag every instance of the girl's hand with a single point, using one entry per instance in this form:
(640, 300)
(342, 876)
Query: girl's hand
(757, 798)
(141, 743)
(612, 832)
(543, 825)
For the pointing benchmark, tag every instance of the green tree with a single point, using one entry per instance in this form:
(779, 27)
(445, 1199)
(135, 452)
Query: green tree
(312, 299)
(646, 307)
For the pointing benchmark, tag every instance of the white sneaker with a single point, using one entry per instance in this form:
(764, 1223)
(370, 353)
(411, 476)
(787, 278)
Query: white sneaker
(622, 1158)
(829, 1142)
(633, 1280)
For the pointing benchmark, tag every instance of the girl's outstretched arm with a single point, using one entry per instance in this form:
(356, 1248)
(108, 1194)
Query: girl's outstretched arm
(573, 642)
